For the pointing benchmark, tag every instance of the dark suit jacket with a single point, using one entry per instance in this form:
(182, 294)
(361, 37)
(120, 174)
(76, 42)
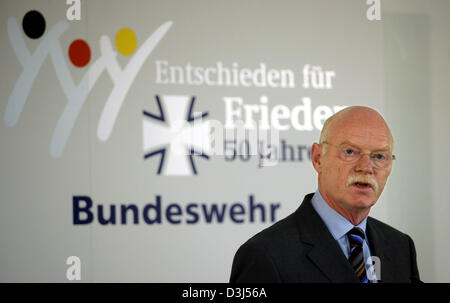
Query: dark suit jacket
(300, 248)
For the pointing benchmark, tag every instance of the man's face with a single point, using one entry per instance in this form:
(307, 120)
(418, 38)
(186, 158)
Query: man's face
(337, 177)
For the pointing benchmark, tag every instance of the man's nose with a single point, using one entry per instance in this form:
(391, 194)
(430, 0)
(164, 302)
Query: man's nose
(364, 164)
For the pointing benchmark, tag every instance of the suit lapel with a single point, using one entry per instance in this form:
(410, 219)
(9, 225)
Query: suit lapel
(332, 262)
(380, 248)
(325, 252)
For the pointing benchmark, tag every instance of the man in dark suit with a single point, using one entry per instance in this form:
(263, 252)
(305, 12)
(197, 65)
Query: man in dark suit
(330, 237)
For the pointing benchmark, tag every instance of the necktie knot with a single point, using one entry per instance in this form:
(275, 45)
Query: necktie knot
(356, 236)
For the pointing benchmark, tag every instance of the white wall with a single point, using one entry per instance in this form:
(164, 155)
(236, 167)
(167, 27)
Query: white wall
(417, 74)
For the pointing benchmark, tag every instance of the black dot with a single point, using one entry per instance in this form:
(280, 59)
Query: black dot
(33, 24)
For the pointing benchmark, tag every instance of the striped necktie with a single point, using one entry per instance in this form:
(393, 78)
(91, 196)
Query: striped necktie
(356, 259)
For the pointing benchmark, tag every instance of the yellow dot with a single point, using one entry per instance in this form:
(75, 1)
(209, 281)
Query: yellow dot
(126, 41)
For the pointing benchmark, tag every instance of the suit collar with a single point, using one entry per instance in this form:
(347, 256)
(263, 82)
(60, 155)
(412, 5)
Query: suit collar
(325, 252)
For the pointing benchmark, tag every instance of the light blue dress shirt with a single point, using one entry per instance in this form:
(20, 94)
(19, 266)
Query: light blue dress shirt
(339, 226)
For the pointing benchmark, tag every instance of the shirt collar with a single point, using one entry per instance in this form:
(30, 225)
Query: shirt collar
(335, 222)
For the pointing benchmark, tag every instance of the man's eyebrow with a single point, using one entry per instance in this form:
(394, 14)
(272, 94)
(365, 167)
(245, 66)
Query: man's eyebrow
(385, 148)
(348, 143)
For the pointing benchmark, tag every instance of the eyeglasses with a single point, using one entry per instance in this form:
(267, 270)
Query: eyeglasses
(347, 153)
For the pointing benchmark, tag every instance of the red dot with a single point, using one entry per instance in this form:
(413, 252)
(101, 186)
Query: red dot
(79, 53)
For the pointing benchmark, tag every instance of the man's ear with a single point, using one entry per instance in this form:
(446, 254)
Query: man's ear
(316, 157)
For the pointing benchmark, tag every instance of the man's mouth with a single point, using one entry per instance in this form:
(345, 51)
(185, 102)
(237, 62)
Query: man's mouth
(362, 185)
